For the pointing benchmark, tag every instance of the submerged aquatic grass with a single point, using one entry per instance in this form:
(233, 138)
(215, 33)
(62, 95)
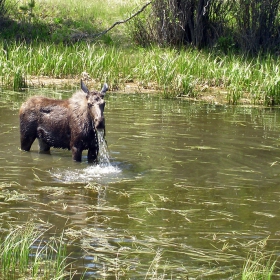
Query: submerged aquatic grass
(29, 252)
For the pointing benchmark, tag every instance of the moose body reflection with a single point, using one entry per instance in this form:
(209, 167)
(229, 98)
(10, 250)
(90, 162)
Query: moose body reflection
(67, 124)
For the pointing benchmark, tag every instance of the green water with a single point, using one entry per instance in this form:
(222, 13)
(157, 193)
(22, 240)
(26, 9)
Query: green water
(191, 187)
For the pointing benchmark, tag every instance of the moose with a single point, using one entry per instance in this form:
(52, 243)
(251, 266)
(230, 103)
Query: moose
(67, 124)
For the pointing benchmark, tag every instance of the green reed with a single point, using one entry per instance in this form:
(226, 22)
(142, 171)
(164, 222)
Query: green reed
(15, 250)
(24, 253)
(173, 72)
(58, 46)
(258, 266)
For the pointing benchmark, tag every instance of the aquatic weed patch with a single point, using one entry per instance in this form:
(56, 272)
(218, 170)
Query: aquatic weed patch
(26, 253)
(111, 249)
(258, 265)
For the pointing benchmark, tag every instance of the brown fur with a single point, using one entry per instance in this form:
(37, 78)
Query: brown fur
(67, 124)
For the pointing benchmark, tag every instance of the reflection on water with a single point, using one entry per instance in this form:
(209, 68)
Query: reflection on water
(190, 187)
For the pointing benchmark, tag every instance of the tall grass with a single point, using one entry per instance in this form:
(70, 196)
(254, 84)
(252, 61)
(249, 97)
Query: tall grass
(258, 266)
(174, 72)
(63, 46)
(25, 253)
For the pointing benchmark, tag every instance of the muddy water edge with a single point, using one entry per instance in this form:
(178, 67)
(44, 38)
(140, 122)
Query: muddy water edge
(190, 187)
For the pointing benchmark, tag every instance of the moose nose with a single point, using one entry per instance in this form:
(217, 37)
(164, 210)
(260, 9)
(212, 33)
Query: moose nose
(99, 123)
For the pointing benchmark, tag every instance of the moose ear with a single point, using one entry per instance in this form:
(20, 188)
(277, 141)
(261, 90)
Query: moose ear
(84, 87)
(104, 89)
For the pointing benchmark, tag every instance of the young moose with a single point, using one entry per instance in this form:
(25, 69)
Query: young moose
(67, 124)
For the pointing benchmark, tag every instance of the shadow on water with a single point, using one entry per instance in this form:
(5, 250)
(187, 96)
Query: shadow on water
(181, 189)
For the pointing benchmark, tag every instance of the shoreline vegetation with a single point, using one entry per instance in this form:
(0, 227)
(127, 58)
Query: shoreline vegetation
(27, 253)
(188, 73)
(47, 45)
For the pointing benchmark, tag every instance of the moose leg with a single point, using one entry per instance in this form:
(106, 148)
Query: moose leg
(76, 154)
(92, 155)
(43, 146)
(26, 141)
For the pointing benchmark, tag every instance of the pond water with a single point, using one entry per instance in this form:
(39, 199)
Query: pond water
(188, 191)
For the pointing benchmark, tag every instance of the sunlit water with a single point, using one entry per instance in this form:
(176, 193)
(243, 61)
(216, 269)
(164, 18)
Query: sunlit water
(190, 187)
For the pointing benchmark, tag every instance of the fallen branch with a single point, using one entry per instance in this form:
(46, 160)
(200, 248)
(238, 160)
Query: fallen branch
(122, 21)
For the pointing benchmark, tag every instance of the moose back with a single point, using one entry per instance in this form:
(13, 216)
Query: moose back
(67, 124)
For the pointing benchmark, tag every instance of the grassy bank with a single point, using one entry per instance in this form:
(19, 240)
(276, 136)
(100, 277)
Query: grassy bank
(58, 42)
(188, 73)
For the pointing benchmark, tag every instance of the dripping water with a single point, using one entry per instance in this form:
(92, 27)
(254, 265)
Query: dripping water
(102, 172)
(103, 156)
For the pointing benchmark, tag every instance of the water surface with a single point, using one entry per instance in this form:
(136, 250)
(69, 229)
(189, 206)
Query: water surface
(192, 187)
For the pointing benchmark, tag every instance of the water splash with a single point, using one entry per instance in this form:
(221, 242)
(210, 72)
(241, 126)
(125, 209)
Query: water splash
(103, 172)
(103, 156)
(94, 173)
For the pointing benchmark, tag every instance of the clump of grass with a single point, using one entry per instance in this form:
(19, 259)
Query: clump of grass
(273, 93)
(258, 266)
(15, 250)
(153, 271)
(20, 82)
(24, 253)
